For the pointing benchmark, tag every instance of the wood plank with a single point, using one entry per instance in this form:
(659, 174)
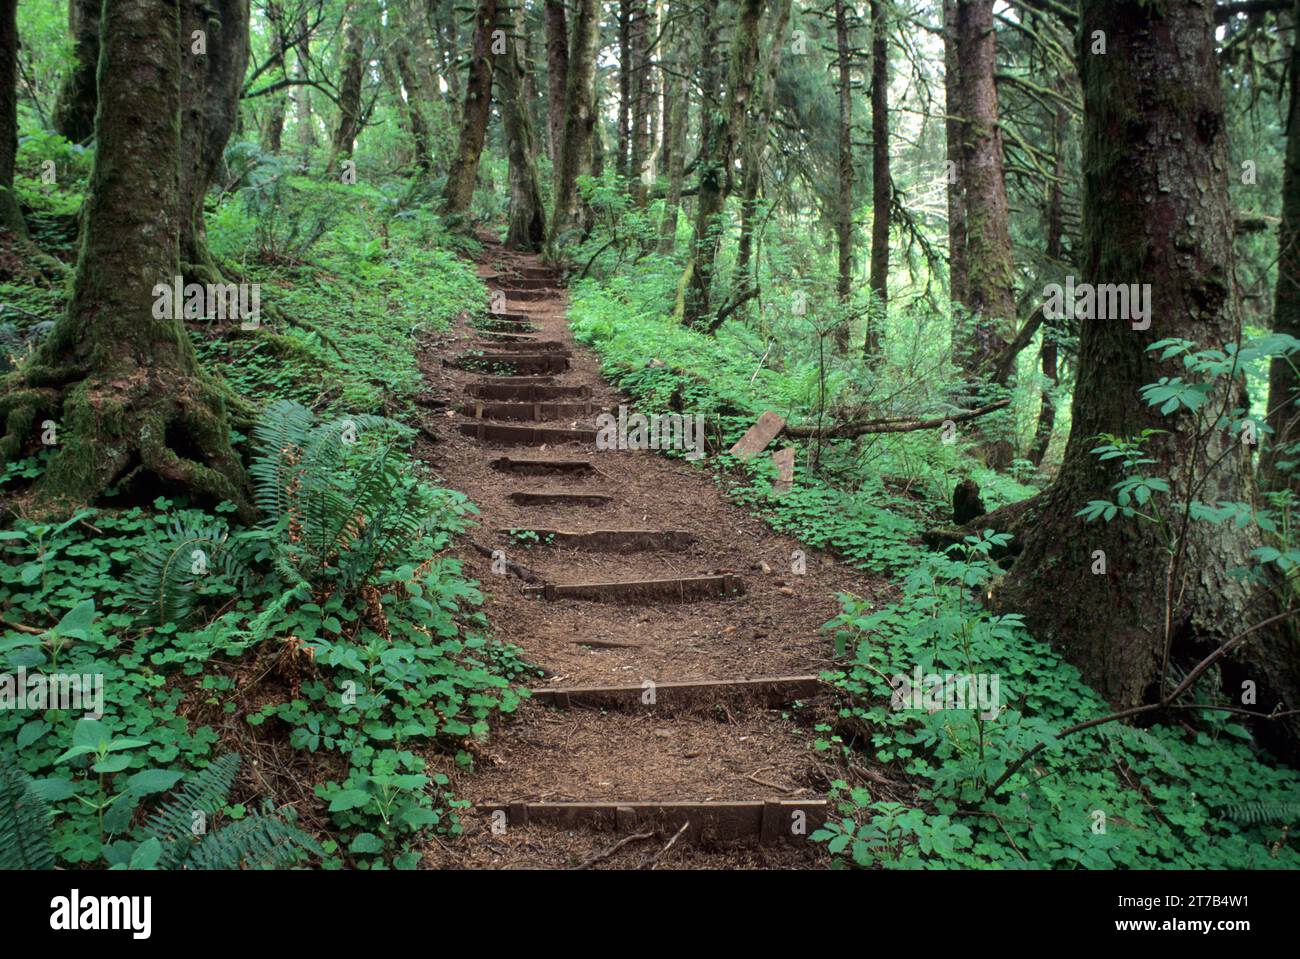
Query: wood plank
(528, 345)
(526, 435)
(770, 690)
(677, 589)
(521, 363)
(536, 412)
(529, 392)
(770, 820)
(784, 460)
(540, 467)
(546, 498)
(758, 436)
(613, 540)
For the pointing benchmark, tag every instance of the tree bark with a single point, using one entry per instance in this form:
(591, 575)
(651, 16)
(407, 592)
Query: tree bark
(11, 215)
(881, 184)
(459, 190)
(952, 129)
(210, 88)
(1156, 211)
(676, 115)
(302, 95)
(579, 118)
(844, 169)
(624, 85)
(756, 149)
(723, 130)
(1284, 384)
(527, 230)
(74, 111)
(351, 74)
(123, 386)
(1048, 352)
(639, 169)
(557, 74)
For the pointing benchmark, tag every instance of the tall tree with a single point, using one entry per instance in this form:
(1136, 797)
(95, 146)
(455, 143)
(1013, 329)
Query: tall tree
(351, 75)
(459, 190)
(557, 74)
(881, 182)
(1284, 383)
(641, 93)
(210, 87)
(844, 164)
(117, 375)
(953, 133)
(1156, 211)
(676, 117)
(527, 220)
(74, 112)
(579, 118)
(11, 216)
(723, 129)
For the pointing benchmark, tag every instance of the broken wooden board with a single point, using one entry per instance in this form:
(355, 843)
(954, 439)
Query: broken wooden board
(677, 589)
(557, 498)
(614, 540)
(540, 467)
(526, 435)
(758, 436)
(771, 820)
(784, 462)
(525, 392)
(771, 691)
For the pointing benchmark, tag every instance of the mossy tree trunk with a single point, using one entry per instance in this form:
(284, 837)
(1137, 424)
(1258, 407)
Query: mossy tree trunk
(952, 132)
(1156, 210)
(74, 111)
(1284, 383)
(557, 74)
(676, 117)
(575, 143)
(723, 130)
(881, 182)
(459, 190)
(210, 87)
(11, 216)
(527, 230)
(123, 387)
(351, 75)
(844, 166)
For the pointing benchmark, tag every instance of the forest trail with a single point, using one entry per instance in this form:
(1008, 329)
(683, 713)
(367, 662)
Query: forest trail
(707, 603)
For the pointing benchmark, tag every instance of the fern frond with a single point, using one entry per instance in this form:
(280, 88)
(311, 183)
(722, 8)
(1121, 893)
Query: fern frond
(258, 841)
(1280, 812)
(24, 820)
(205, 791)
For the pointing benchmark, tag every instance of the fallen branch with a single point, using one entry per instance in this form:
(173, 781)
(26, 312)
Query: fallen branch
(613, 849)
(653, 860)
(890, 424)
(523, 572)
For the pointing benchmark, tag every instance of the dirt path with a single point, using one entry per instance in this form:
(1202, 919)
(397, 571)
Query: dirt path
(707, 593)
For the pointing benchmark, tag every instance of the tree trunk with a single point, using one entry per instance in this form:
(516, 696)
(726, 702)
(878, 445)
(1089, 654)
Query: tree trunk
(1156, 211)
(11, 215)
(677, 111)
(881, 184)
(723, 130)
(952, 129)
(575, 142)
(122, 385)
(1284, 385)
(844, 170)
(74, 111)
(210, 87)
(302, 96)
(639, 164)
(459, 191)
(351, 74)
(756, 149)
(624, 84)
(557, 75)
(527, 222)
(1047, 352)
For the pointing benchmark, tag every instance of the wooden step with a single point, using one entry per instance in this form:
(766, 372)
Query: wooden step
(526, 435)
(520, 363)
(540, 272)
(540, 467)
(771, 691)
(523, 381)
(527, 411)
(497, 337)
(771, 820)
(557, 498)
(529, 345)
(613, 540)
(506, 317)
(508, 282)
(527, 296)
(678, 589)
(525, 392)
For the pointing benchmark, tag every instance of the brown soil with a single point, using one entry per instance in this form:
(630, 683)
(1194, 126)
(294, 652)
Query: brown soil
(713, 750)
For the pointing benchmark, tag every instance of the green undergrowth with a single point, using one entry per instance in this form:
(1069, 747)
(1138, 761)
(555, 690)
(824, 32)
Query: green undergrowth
(334, 645)
(1186, 796)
